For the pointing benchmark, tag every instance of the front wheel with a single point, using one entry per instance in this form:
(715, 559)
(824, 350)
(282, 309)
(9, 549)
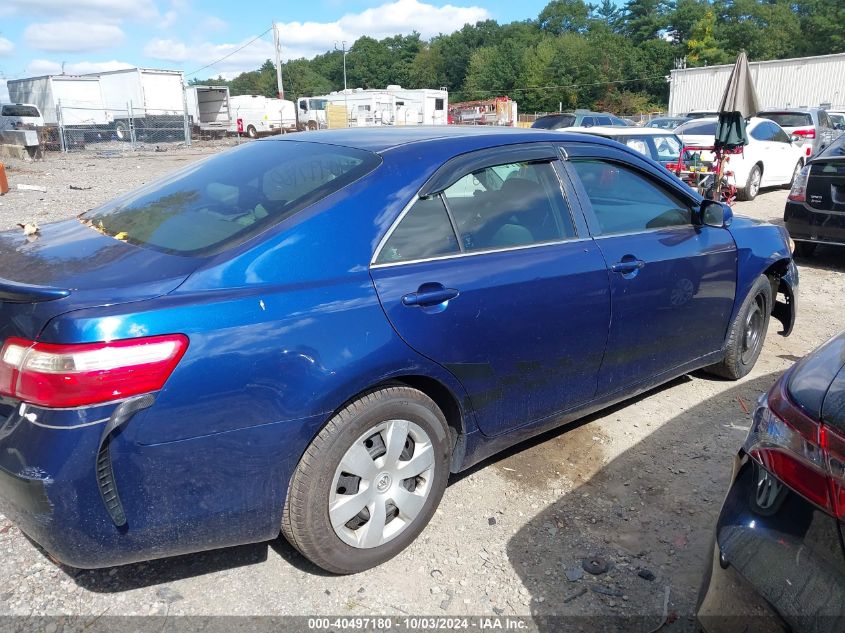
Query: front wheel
(369, 482)
(752, 185)
(747, 332)
(251, 132)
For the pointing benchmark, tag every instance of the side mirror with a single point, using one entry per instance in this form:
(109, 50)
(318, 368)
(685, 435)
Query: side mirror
(715, 214)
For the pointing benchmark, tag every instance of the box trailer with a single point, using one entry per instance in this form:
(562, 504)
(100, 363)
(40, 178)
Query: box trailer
(208, 109)
(155, 98)
(78, 97)
(256, 115)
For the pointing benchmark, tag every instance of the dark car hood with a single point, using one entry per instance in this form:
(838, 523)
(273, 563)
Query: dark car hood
(817, 382)
(68, 266)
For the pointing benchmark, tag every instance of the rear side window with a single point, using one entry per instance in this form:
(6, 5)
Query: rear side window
(764, 131)
(19, 110)
(624, 201)
(554, 122)
(509, 205)
(788, 119)
(698, 129)
(223, 201)
(424, 232)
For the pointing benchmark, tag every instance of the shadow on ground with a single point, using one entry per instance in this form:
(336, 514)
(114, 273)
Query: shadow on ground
(651, 510)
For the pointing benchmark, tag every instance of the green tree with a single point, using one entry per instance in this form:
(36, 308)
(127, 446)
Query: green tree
(644, 19)
(564, 16)
(702, 46)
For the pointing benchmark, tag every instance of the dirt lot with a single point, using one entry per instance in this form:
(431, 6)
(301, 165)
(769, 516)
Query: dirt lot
(639, 485)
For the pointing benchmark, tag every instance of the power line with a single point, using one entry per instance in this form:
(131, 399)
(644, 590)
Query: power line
(229, 54)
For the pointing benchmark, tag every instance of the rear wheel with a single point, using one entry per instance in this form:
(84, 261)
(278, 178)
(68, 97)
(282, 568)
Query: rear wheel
(369, 482)
(752, 186)
(312, 125)
(251, 132)
(121, 130)
(805, 249)
(747, 332)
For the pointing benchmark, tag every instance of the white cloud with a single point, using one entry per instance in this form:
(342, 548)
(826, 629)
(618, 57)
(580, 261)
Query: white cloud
(38, 67)
(307, 39)
(168, 19)
(6, 47)
(72, 37)
(100, 10)
(213, 23)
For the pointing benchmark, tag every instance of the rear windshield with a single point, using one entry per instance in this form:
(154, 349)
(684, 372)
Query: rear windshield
(698, 129)
(554, 122)
(221, 202)
(659, 147)
(788, 119)
(20, 110)
(835, 149)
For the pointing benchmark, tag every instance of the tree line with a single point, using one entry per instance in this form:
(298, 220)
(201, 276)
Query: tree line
(573, 55)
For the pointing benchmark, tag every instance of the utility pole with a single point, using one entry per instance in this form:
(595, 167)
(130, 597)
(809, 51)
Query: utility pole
(277, 46)
(345, 53)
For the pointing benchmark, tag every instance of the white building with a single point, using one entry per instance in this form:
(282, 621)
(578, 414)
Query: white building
(783, 83)
(392, 105)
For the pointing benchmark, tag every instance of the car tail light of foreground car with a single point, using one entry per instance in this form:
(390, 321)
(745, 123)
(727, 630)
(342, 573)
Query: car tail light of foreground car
(76, 375)
(805, 455)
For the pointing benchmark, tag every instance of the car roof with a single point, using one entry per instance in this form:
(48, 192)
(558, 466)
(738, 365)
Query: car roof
(617, 130)
(381, 139)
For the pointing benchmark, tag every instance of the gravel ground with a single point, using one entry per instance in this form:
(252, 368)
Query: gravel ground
(639, 485)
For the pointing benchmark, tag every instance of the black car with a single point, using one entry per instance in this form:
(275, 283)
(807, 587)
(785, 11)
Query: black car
(779, 559)
(815, 209)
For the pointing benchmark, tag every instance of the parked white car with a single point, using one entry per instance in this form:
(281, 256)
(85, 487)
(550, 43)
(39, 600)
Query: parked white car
(771, 158)
(20, 116)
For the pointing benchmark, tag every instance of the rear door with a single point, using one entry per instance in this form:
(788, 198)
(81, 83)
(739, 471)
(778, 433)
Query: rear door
(775, 155)
(491, 275)
(672, 282)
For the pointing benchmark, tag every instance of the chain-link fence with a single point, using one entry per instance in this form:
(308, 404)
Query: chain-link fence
(119, 128)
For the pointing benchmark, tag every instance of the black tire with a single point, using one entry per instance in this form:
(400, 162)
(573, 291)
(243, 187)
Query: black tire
(312, 126)
(747, 333)
(752, 186)
(306, 523)
(805, 249)
(798, 167)
(251, 132)
(121, 131)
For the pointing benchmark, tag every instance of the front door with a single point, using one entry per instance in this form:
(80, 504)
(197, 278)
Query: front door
(491, 279)
(672, 282)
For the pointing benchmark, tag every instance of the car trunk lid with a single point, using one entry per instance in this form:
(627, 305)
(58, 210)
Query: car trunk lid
(68, 266)
(826, 185)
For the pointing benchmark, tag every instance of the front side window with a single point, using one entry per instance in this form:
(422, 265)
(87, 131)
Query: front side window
(424, 232)
(221, 202)
(517, 204)
(625, 201)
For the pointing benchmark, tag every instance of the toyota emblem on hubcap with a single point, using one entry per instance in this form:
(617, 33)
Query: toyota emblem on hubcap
(383, 482)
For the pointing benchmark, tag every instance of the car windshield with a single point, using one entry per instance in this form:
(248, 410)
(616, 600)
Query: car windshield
(554, 122)
(698, 128)
(788, 119)
(223, 201)
(837, 118)
(20, 110)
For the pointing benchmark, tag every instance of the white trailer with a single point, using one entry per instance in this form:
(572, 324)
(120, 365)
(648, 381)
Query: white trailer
(782, 83)
(156, 99)
(256, 115)
(79, 97)
(208, 108)
(393, 105)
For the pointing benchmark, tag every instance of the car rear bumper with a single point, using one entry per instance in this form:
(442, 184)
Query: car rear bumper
(806, 224)
(776, 569)
(187, 496)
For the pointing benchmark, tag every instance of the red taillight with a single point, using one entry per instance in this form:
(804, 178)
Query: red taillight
(75, 375)
(799, 186)
(808, 132)
(806, 456)
(240, 126)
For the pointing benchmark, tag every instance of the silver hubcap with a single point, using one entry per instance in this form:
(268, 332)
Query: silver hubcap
(753, 333)
(381, 484)
(755, 182)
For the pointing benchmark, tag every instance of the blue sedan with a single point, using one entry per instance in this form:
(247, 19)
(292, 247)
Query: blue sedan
(308, 334)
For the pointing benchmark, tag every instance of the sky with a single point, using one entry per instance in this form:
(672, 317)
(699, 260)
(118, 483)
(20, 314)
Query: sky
(38, 37)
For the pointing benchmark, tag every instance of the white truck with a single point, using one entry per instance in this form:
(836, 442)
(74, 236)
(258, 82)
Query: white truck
(155, 97)
(392, 105)
(256, 115)
(78, 97)
(208, 109)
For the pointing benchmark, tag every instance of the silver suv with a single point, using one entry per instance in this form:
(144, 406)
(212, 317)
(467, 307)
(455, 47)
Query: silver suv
(813, 125)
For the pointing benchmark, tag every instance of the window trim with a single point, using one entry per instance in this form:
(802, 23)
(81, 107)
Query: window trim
(374, 264)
